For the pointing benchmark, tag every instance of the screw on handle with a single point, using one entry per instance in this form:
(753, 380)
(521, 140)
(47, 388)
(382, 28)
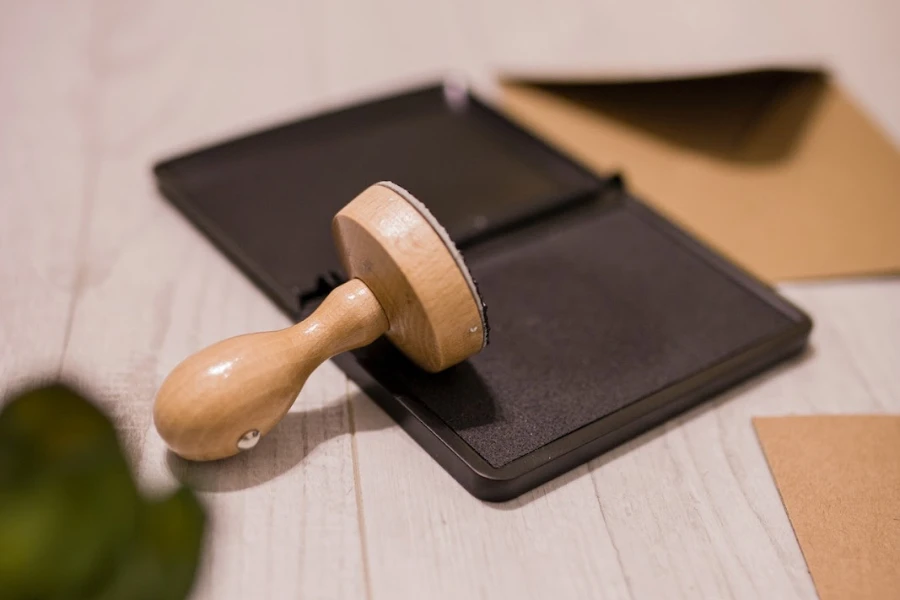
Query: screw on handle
(222, 399)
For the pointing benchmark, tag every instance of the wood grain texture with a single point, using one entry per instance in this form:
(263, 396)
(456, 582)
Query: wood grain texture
(389, 240)
(101, 281)
(45, 128)
(243, 386)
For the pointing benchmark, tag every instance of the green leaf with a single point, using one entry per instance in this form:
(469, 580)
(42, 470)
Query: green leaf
(72, 523)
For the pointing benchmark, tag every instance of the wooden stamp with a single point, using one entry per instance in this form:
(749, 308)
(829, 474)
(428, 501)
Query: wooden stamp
(407, 281)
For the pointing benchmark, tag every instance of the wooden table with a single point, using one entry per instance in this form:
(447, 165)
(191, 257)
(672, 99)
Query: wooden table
(104, 283)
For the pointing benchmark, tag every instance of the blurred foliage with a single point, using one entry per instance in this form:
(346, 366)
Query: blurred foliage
(72, 523)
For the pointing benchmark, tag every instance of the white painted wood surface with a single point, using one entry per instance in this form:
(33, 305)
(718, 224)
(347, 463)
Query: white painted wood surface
(102, 282)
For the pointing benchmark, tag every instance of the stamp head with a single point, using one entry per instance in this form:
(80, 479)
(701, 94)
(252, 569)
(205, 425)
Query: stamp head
(390, 241)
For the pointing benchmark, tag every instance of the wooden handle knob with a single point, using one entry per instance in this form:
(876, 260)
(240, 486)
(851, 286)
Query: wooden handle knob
(222, 399)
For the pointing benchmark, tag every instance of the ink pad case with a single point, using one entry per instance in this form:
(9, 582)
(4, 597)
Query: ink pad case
(606, 318)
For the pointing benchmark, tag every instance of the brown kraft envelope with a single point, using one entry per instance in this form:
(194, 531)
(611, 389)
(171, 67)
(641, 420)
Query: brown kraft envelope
(778, 170)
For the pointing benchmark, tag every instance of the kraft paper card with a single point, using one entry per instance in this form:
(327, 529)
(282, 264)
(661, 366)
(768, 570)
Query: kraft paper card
(839, 479)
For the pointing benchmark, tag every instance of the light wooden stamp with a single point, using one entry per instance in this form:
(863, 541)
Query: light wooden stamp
(407, 281)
